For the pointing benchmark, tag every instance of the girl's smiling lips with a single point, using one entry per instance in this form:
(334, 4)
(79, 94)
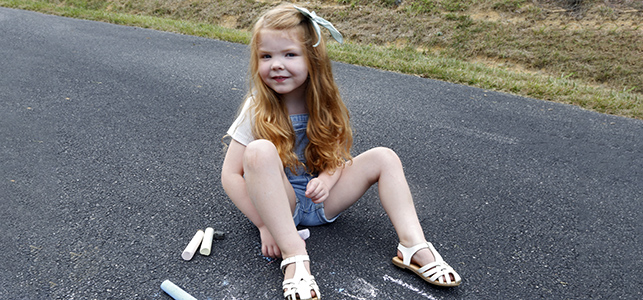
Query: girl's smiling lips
(279, 78)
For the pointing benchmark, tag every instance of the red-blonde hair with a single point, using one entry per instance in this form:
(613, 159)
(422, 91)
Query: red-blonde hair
(329, 131)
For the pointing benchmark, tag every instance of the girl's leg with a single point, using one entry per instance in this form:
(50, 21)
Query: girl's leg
(381, 166)
(273, 197)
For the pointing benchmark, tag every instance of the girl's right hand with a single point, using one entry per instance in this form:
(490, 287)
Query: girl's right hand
(317, 190)
(269, 247)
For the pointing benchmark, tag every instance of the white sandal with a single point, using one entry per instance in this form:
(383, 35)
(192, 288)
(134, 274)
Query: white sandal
(437, 272)
(302, 283)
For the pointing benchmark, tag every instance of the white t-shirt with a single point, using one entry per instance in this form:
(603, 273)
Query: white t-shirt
(241, 129)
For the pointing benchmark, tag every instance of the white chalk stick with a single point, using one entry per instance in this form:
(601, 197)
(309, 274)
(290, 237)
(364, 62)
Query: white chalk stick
(206, 245)
(175, 292)
(304, 233)
(193, 245)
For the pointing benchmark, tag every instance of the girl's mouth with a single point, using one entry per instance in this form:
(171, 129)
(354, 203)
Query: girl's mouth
(279, 78)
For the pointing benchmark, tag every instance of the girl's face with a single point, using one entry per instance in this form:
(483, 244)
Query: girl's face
(282, 64)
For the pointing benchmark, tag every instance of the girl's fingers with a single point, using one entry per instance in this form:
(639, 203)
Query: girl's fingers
(316, 194)
(316, 190)
(312, 188)
(270, 251)
(319, 199)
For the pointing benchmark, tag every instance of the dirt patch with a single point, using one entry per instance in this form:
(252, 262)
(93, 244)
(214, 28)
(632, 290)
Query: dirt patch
(229, 21)
(596, 41)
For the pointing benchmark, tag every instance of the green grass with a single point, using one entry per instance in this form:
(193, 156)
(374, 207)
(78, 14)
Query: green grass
(164, 24)
(561, 89)
(566, 85)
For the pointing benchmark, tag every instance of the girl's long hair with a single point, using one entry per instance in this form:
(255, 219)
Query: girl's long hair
(329, 131)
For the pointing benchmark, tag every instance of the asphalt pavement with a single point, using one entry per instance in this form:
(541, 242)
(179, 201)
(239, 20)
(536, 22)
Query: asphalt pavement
(110, 155)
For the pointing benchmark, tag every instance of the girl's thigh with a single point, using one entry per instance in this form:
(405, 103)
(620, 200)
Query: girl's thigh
(264, 158)
(356, 178)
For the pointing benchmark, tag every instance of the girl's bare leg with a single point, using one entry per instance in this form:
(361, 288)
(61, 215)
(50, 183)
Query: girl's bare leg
(381, 166)
(273, 197)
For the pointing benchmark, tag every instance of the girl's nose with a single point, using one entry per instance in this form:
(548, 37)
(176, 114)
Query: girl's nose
(277, 65)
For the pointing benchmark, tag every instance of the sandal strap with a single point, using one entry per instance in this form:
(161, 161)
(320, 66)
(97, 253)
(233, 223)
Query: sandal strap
(293, 259)
(439, 271)
(300, 286)
(300, 289)
(407, 253)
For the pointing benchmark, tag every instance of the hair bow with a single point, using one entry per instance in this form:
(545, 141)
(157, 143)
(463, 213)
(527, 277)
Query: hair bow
(317, 20)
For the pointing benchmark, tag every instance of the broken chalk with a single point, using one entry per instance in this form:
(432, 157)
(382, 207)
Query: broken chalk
(304, 234)
(206, 245)
(192, 246)
(175, 292)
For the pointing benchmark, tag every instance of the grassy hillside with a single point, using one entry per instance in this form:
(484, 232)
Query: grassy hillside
(582, 52)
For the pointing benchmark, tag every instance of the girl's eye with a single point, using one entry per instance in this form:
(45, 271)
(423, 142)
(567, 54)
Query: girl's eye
(265, 56)
(291, 55)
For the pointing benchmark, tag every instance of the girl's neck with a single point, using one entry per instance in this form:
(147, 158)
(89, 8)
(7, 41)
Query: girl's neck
(297, 108)
(296, 101)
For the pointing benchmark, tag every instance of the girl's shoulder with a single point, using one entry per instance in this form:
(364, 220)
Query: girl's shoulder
(241, 129)
(246, 109)
(247, 103)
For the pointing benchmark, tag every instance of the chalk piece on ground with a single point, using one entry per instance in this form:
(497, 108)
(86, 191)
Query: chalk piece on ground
(304, 233)
(175, 292)
(219, 235)
(206, 245)
(193, 245)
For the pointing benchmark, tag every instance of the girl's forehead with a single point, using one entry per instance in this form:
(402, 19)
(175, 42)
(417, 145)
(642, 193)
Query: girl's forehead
(290, 34)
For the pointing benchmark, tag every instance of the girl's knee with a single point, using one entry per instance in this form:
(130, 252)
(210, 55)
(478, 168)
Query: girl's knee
(259, 152)
(386, 155)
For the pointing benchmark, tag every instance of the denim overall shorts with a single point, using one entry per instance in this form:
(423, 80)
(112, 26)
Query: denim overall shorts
(306, 212)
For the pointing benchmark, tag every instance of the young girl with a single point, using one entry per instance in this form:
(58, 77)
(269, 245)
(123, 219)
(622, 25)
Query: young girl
(289, 161)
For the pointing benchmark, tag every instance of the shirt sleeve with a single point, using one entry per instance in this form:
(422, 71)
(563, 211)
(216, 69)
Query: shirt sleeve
(241, 129)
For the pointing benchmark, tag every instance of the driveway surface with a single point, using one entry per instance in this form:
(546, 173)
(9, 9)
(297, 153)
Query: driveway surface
(110, 155)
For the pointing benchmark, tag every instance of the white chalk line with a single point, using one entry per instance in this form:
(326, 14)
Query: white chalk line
(352, 296)
(363, 287)
(408, 286)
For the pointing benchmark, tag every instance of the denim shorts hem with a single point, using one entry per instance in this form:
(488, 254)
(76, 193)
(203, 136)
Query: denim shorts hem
(313, 216)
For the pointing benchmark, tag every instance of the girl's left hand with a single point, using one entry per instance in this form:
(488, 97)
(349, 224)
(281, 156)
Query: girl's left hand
(317, 190)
